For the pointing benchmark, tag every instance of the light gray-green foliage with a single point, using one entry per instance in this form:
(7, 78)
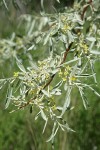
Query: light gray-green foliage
(71, 41)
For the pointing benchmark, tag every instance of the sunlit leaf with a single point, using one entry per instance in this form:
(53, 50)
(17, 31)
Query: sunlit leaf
(20, 66)
(8, 97)
(54, 131)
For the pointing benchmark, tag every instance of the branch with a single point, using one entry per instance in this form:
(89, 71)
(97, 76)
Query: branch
(67, 50)
(64, 59)
(50, 80)
(66, 53)
(85, 9)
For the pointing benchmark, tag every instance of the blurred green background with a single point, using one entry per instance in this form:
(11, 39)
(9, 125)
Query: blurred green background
(18, 130)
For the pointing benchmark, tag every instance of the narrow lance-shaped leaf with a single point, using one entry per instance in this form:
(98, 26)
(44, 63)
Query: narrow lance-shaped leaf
(42, 5)
(45, 126)
(70, 61)
(92, 89)
(45, 93)
(54, 131)
(46, 38)
(44, 118)
(36, 117)
(58, 1)
(20, 66)
(2, 83)
(67, 101)
(85, 103)
(5, 4)
(95, 92)
(8, 97)
(43, 115)
(95, 52)
(58, 85)
(92, 68)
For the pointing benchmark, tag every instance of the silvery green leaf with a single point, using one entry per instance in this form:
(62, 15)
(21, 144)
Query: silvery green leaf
(2, 83)
(65, 126)
(93, 72)
(56, 91)
(58, 85)
(42, 4)
(43, 22)
(31, 27)
(54, 71)
(43, 115)
(54, 131)
(36, 117)
(32, 64)
(45, 93)
(1, 87)
(70, 61)
(45, 125)
(70, 37)
(85, 75)
(84, 67)
(46, 39)
(63, 38)
(78, 19)
(92, 39)
(5, 4)
(58, 1)
(10, 43)
(8, 98)
(59, 108)
(38, 39)
(67, 101)
(92, 89)
(78, 27)
(72, 108)
(85, 103)
(30, 48)
(20, 66)
(95, 52)
(95, 92)
(65, 86)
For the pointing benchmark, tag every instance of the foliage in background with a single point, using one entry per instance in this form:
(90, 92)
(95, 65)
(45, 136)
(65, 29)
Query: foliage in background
(62, 36)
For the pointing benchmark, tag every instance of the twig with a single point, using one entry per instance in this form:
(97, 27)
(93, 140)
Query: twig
(85, 9)
(66, 53)
(64, 59)
(50, 80)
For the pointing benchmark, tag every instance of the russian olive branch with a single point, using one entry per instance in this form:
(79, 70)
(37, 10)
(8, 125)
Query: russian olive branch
(40, 84)
(63, 60)
(51, 79)
(67, 49)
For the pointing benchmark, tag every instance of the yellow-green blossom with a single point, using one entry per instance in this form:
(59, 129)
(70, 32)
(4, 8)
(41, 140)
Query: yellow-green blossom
(16, 74)
(64, 72)
(73, 78)
(65, 28)
(84, 47)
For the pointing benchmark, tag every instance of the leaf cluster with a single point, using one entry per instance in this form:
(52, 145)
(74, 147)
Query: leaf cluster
(72, 43)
